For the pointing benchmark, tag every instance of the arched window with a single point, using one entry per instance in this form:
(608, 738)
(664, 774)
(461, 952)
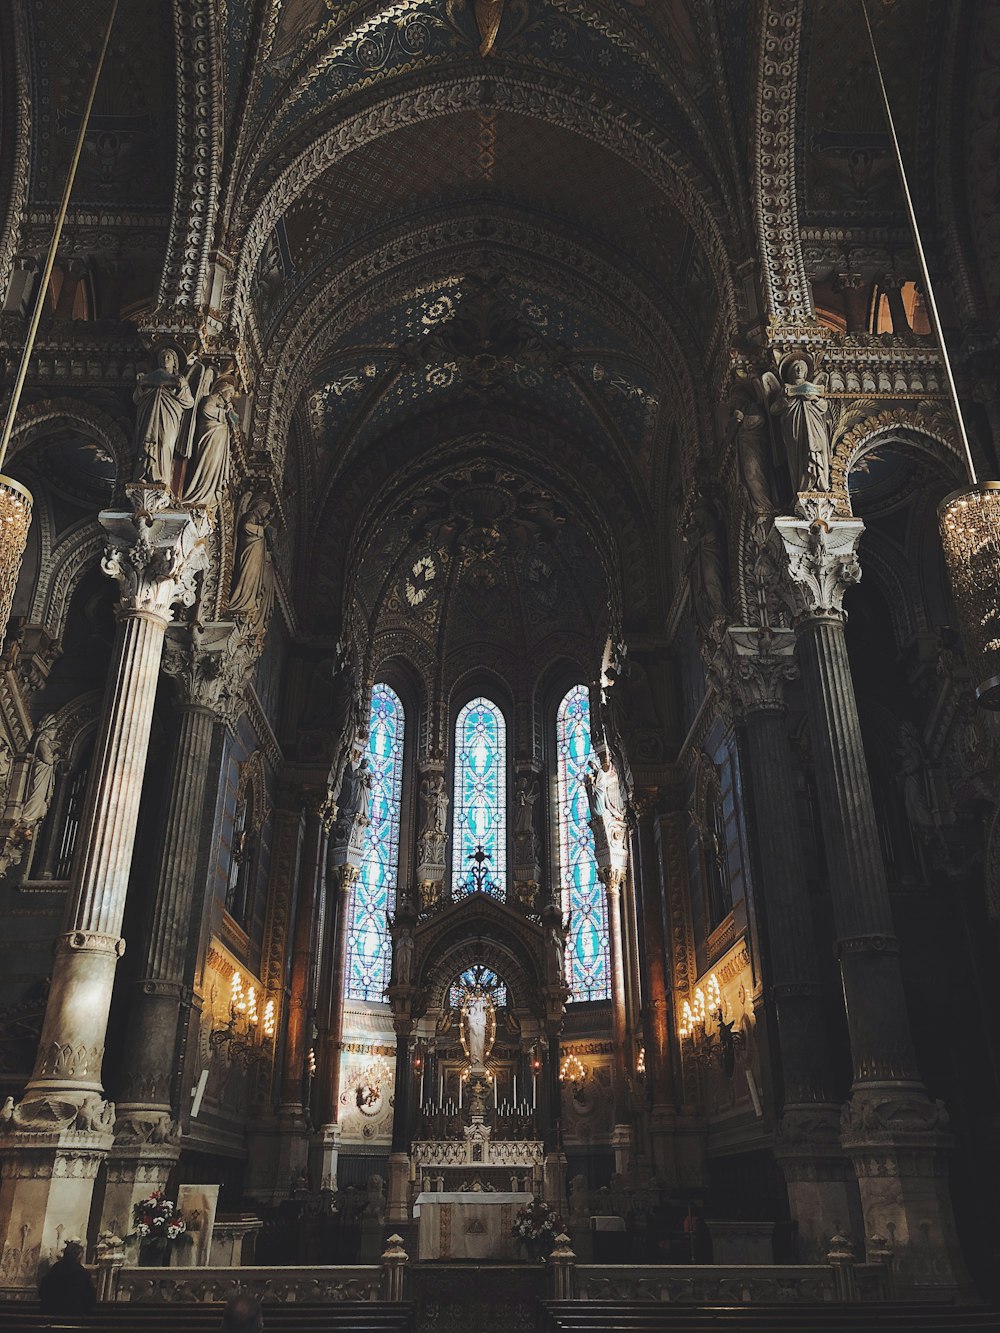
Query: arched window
(479, 849)
(373, 896)
(587, 966)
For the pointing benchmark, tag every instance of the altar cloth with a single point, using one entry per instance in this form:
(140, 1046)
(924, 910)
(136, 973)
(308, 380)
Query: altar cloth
(467, 1224)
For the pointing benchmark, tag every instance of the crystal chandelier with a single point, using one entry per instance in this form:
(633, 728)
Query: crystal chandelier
(969, 519)
(15, 500)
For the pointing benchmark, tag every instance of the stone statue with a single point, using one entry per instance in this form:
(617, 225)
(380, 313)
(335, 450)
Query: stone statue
(708, 580)
(42, 780)
(206, 482)
(748, 422)
(434, 795)
(252, 595)
(603, 792)
(345, 715)
(526, 795)
(6, 767)
(556, 946)
(162, 396)
(354, 800)
(478, 1028)
(403, 951)
(805, 423)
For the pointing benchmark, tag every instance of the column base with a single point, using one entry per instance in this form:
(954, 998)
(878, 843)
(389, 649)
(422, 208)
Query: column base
(554, 1181)
(662, 1123)
(822, 1194)
(134, 1171)
(621, 1142)
(45, 1198)
(897, 1141)
(323, 1152)
(291, 1161)
(398, 1208)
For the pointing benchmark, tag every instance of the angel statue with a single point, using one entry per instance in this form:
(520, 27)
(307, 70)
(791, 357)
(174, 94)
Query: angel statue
(805, 423)
(161, 396)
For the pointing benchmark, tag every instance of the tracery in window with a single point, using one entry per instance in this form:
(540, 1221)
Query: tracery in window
(587, 964)
(373, 895)
(479, 848)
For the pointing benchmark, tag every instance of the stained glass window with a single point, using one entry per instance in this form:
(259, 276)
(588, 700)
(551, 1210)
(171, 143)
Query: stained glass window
(587, 967)
(373, 895)
(480, 801)
(478, 977)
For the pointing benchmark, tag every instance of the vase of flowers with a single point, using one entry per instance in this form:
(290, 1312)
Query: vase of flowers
(535, 1229)
(157, 1226)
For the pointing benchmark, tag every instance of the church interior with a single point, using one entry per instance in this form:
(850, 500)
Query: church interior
(499, 770)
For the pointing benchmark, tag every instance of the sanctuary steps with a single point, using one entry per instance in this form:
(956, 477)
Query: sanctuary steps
(205, 1317)
(647, 1317)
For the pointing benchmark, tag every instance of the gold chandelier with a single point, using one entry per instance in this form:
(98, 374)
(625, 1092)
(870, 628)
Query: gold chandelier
(15, 499)
(969, 519)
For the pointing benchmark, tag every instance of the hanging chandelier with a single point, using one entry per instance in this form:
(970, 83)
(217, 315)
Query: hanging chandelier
(969, 519)
(15, 499)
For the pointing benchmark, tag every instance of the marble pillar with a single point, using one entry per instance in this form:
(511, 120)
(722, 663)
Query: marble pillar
(614, 882)
(398, 1202)
(895, 1136)
(821, 1192)
(293, 1147)
(207, 665)
(340, 880)
(57, 1136)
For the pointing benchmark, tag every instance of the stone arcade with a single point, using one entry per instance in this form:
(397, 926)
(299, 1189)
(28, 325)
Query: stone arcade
(482, 718)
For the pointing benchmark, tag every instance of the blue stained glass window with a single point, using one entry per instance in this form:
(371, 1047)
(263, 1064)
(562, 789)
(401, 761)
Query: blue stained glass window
(478, 977)
(373, 895)
(587, 966)
(480, 800)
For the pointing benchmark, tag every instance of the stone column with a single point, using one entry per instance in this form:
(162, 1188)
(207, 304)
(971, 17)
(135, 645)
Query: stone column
(293, 1141)
(656, 1027)
(398, 1209)
(207, 664)
(821, 1193)
(892, 1131)
(613, 880)
(55, 1139)
(339, 882)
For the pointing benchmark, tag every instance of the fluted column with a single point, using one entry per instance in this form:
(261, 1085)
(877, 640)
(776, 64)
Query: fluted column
(63, 1124)
(891, 1129)
(298, 1032)
(821, 1193)
(659, 1073)
(398, 1209)
(614, 881)
(339, 882)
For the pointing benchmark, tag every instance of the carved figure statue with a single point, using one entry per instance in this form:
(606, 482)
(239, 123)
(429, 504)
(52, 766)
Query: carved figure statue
(206, 482)
(805, 423)
(556, 946)
(603, 792)
(478, 1028)
(42, 780)
(252, 595)
(6, 767)
(748, 421)
(434, 795)
(526, 795)
(162, 396)
(708, 581)
(403, 951)
(345, 716)
(354, 801)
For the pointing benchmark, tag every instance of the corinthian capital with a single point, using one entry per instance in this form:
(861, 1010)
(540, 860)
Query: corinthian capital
(822, 558)
(761, 661)
(210, 664)
(154, 550)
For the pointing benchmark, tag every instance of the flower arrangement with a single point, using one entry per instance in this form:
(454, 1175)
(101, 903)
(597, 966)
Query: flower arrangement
(536, 1227)
(157, 1225)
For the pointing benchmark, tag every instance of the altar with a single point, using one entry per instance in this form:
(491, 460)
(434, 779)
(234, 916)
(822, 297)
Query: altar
(467, 1224)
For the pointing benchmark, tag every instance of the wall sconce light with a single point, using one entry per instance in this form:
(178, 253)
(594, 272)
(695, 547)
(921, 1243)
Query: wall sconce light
(240, 1032)
(722, 1043)
(311, 1062)
(640, 1061)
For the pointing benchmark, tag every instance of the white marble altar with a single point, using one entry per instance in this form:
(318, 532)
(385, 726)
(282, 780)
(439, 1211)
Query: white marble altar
(468, 1224)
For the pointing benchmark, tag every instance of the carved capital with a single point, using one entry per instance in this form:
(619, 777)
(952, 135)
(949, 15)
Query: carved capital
(760, 663)
(821, 550)
(210, 665)
(154, 551)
